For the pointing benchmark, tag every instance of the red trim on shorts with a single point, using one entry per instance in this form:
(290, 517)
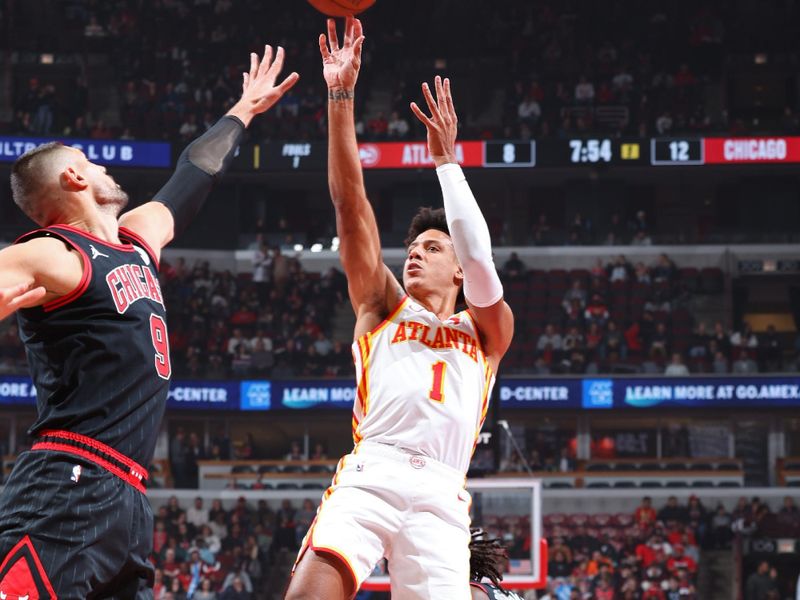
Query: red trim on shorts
(110, 467)
(123, 247)
(26, 541)
(130, 233)
(134, 475)
(99, 446)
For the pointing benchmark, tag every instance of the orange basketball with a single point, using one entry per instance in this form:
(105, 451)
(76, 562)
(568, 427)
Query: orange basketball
(341, 8)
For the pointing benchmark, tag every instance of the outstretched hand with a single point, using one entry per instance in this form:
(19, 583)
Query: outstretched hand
(442, 125)
(19, 296)
(340, 66)
(259, 91)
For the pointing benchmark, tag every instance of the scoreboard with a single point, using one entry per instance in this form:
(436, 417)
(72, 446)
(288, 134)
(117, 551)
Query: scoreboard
(530, 154)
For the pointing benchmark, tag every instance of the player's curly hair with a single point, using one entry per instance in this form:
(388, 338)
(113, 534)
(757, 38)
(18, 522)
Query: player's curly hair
(426, 218)
(486, 556)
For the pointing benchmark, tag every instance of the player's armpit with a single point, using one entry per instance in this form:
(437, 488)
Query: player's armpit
(496, 326)
(153, 222)
(41, 263)
(372, 310)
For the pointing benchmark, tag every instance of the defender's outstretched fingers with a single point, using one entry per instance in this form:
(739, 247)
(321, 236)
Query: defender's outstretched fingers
(245, 82)
(323, 47)
(267, 60)
(421, 115)
(253, 65)
(276, 66)
(440, 101)
(17, 297)
(333, 39)
(348, 31)
(449, 95)
(288, 83)
(359, 43)
(28, 298)
(435, 114)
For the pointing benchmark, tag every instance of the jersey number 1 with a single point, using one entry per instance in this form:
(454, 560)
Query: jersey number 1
(437, 389)
(158, 331)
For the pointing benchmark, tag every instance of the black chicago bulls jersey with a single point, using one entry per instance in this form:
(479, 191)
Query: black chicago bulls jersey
(99, 356)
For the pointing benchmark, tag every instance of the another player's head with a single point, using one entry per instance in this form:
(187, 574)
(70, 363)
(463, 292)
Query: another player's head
(431, 263)
(55, 183)
(486, 558)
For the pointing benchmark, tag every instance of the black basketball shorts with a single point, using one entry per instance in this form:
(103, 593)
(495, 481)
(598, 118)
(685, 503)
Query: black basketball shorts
(75, 523)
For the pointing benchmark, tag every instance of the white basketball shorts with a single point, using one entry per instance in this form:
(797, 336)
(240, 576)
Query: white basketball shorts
(408, 508)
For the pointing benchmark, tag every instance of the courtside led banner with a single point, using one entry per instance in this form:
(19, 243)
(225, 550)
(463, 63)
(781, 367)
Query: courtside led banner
(120, 153)
(589, 393)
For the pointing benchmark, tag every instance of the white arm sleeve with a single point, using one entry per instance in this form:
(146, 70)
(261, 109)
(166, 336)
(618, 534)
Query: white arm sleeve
(470, 236)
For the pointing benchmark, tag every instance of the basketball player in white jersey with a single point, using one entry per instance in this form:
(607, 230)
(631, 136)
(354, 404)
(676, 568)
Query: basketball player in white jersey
(424, 374)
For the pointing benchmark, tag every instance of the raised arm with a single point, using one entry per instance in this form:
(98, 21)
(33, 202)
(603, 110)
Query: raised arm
(206, 159)
(468, 230)
(374, 290)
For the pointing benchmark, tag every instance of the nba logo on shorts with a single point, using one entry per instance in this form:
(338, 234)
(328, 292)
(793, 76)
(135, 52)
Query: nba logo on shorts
(598, 393)
(417, 461)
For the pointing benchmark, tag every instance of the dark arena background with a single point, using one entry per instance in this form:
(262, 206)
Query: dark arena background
(637, 163)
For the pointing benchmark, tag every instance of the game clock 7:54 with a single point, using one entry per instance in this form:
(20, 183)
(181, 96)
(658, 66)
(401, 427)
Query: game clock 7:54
(590, 151)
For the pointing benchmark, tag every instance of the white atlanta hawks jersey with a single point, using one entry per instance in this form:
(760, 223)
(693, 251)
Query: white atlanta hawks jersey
(422, 384)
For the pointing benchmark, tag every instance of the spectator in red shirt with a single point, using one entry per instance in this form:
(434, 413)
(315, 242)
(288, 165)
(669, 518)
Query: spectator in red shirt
(378, 127)
(604, 590)
(681, 534)
(645, 515)
(679, 561)
(596, 311)
(158, 584)
(170, 566)
(651, 591)
(645, 554)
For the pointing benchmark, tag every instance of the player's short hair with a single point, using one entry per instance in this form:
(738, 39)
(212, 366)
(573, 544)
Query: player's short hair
(29, 177)
(425, 219)
(485, 557)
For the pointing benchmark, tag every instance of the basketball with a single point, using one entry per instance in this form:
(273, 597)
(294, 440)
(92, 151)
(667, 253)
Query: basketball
(341, 8)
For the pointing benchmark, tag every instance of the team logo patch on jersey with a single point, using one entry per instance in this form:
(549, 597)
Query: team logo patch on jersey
(22, 576)
(95, 254)
(417, 461)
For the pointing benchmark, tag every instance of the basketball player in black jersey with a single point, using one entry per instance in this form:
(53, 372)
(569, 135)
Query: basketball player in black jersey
(486, 557)
(74, 521)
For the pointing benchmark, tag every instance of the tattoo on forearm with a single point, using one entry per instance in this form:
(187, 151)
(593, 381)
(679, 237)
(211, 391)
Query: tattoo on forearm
(337, 95)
